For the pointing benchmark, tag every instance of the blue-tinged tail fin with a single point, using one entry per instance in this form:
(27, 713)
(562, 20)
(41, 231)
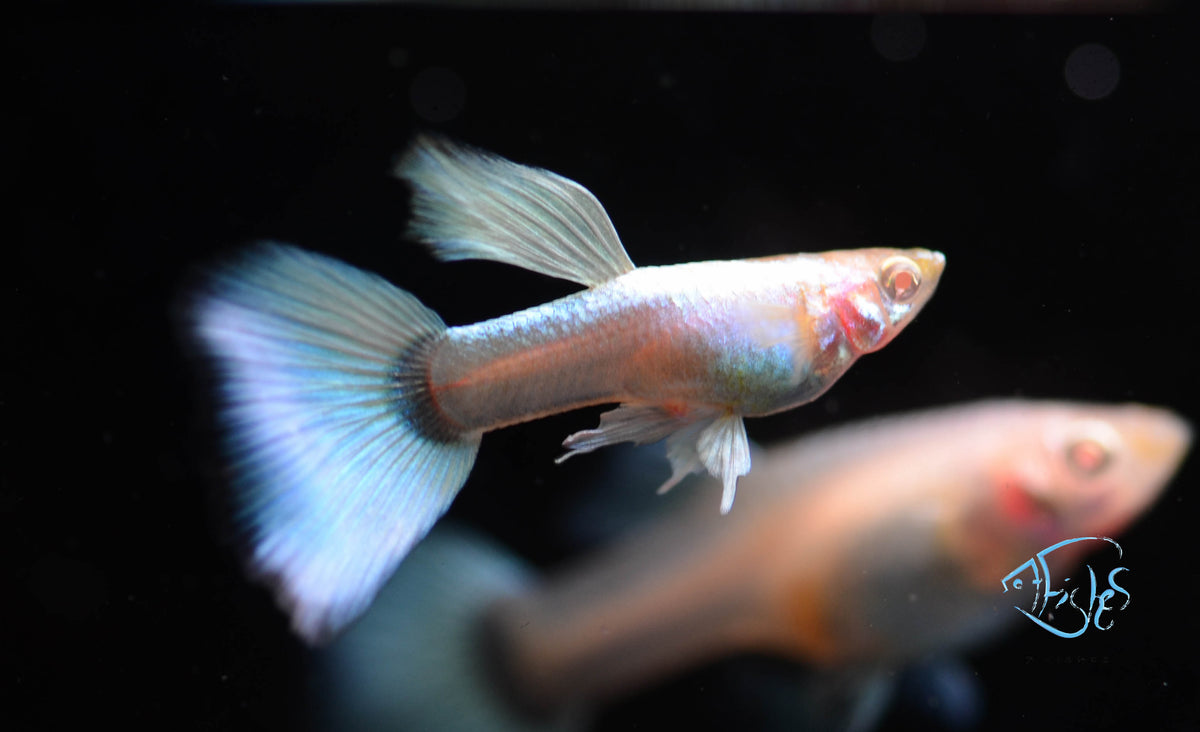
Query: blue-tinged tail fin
(340, 462)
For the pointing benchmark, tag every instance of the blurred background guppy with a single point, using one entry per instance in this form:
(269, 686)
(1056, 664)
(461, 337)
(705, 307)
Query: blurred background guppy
(866, 547)
(354, 414)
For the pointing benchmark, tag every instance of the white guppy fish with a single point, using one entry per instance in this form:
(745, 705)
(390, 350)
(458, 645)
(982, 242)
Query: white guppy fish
(354, 413)
(856, 551)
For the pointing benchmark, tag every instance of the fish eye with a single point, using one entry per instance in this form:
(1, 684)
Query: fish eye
(900, 278)
(1088, 457)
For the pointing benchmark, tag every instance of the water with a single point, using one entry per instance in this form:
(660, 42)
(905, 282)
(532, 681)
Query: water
(1052, 159)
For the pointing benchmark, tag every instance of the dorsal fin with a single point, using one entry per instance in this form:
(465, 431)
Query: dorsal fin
(469, 204)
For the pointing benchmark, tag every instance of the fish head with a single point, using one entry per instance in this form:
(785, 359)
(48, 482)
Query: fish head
(1085, 470)
(887, 289)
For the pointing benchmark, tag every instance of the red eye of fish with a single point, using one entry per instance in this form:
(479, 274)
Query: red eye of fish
(1088, 457)
(901, 278)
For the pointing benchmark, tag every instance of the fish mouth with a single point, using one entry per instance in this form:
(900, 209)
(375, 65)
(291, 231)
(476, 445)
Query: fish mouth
(1163, 440)
(1158, 440)
(932, 264)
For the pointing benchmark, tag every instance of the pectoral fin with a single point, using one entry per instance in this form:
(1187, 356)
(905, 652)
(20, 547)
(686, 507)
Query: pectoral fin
(724, 450)
(468, 204)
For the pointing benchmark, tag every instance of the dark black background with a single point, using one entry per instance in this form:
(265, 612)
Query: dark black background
(142, 144)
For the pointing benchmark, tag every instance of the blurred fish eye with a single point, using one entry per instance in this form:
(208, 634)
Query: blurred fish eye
(900, 278)
(1088, 456)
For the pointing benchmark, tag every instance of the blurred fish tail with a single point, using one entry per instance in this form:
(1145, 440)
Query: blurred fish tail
(418, 659)
(340, 460)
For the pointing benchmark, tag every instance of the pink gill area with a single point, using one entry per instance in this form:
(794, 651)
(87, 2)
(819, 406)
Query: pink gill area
(862, 332)
(1016, 503)
(1022, 504)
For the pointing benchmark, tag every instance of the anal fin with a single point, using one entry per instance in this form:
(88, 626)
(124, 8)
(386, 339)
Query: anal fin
(696, 440)
(637, 423)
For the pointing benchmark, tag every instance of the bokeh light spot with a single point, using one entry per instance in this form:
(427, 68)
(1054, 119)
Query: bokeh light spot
(898, 37)
(1092, 71)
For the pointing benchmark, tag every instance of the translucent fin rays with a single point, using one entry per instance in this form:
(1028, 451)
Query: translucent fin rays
(468, 204)
(334, 481)
(696, 440)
